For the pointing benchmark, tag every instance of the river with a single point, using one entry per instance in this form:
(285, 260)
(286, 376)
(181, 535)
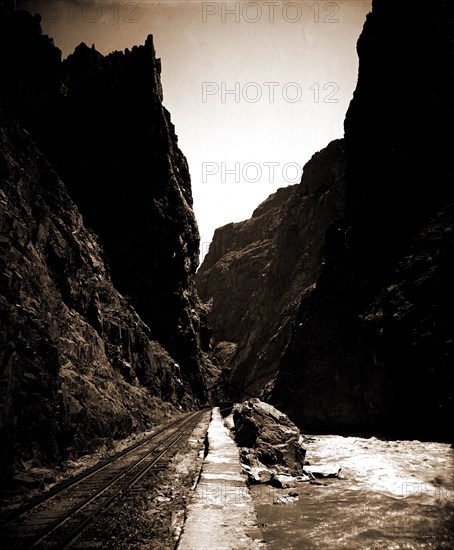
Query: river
(389, 495)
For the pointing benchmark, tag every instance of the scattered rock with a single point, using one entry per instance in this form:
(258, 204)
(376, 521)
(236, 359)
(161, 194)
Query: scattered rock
(163, 499)
(283, 481)
(304, 478)
(286, 499)
(257, 475)
(327, 470)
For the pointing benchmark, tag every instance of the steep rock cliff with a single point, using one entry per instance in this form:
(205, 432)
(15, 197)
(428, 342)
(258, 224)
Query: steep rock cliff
(77, 365)
(101, 124)
(373, 347)
(257, 272)
(369, 275)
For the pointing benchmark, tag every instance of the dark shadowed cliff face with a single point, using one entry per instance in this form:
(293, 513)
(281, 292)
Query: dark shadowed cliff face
(373, 347)
(101, 123)
(77, 363)
(257, 272)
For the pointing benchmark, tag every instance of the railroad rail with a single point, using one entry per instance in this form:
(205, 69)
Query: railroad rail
(57, 518)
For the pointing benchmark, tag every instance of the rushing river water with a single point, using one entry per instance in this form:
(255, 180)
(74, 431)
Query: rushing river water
(389, 495)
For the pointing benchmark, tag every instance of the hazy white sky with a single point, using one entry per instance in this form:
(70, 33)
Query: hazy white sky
(254, 88)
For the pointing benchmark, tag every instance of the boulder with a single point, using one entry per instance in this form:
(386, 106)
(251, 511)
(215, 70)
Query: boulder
(269, 439)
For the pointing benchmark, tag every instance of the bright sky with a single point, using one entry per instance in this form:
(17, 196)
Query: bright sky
(254, 88)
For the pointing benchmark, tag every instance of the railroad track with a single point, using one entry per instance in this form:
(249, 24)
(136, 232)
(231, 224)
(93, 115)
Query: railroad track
(57, 518)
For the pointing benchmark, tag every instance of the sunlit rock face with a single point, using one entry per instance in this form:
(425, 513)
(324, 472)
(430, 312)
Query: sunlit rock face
(77, 363)
(101, 124)
(373, 347)
(257, 272)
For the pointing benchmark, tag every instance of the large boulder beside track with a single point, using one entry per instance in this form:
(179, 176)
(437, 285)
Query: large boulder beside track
(270, 442)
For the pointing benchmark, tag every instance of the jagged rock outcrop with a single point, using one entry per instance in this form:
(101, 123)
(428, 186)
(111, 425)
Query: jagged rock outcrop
(77, 364)
(257, 271)
(101, 124)
(373, 347)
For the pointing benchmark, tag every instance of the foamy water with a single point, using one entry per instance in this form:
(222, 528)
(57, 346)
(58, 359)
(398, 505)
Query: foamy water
(390, 495)
(395, 468)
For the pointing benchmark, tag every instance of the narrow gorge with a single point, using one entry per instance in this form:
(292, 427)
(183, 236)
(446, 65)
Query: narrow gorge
(123, 362)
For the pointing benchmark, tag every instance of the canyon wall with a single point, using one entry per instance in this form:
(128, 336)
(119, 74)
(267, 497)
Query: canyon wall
(78, 365)
(371, 345)
(101, 327)
(257, 272)
(373, 348)
(101, 123)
